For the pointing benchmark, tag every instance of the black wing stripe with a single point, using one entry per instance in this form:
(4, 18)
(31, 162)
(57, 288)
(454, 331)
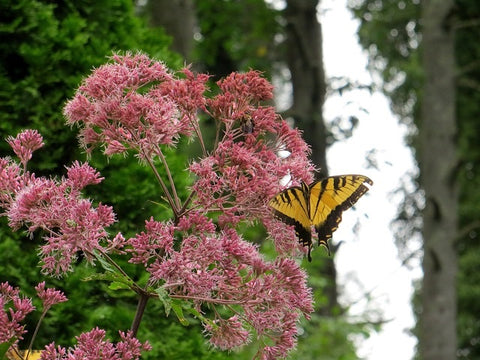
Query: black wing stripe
(286, 199)
(295, 194)
(326, 229)
(320, 195)
(297, 199)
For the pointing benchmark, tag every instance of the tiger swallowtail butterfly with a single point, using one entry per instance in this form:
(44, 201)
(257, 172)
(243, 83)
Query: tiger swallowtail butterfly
(319, 204)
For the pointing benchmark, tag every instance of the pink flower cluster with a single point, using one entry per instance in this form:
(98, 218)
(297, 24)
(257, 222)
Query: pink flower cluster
(244, 170)
(71, 223)
(12, 177)
(49, 296)
(220, 268)
(135, 103)
(25, 144)
(13, 310)
(92, 345)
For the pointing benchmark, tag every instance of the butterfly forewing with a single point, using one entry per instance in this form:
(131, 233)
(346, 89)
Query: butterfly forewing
(291, 207)
(330, 197)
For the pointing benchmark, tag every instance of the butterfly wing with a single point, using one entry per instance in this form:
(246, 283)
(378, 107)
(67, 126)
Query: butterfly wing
(291, 207)
(33, 355)
(330, 197)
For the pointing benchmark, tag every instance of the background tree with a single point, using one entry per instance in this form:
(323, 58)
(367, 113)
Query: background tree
(177, 18)
(438, 163)
(392, 32)
(45, 49)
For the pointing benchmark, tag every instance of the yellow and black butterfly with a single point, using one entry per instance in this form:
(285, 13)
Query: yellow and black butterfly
(319, 204)
(21, 355)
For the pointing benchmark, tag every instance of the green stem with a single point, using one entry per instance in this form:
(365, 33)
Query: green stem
(183, 210)
(35, 333)
(170, 179)
(198, 131)
(164, 187)
(134, 286)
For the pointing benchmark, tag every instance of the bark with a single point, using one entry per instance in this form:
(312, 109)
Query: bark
(438, 339)
(305, 61)
(177, 17)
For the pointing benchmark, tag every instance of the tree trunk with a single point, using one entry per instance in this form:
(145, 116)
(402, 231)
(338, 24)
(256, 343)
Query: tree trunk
(305, 61)
(438, 339)
(177, 17)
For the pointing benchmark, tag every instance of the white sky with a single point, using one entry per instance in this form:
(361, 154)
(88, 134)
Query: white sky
(367, 261)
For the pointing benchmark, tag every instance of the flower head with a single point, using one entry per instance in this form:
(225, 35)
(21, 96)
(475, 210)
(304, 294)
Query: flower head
(71, 223)
(49, 296)
(228, 333)
(93, 345)
(13, 310)
(154, 243)
(244, 171)
(25, 144)
(135, 103)
(214, 268)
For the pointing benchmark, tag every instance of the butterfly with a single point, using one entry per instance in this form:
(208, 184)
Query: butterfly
(320, 204)
(21, 354)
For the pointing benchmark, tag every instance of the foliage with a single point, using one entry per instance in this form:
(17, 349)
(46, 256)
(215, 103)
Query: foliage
(467, 50)
(324, 338)
(390, 31)
(46, 47)
(237, 35)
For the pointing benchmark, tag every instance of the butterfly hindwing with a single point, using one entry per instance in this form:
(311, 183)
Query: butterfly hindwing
(330, 197)
(291, 207)
(21, 354)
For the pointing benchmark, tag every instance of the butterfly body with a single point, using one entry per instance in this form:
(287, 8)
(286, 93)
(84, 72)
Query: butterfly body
(318, 205)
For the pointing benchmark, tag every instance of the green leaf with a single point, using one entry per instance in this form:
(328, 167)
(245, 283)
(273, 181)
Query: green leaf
(105, 264)
(100, 276)
(178, 310)
(113, 277)
(119, 280)
(4, 348)
(165, 299)
(188, 307)
(118, 285)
